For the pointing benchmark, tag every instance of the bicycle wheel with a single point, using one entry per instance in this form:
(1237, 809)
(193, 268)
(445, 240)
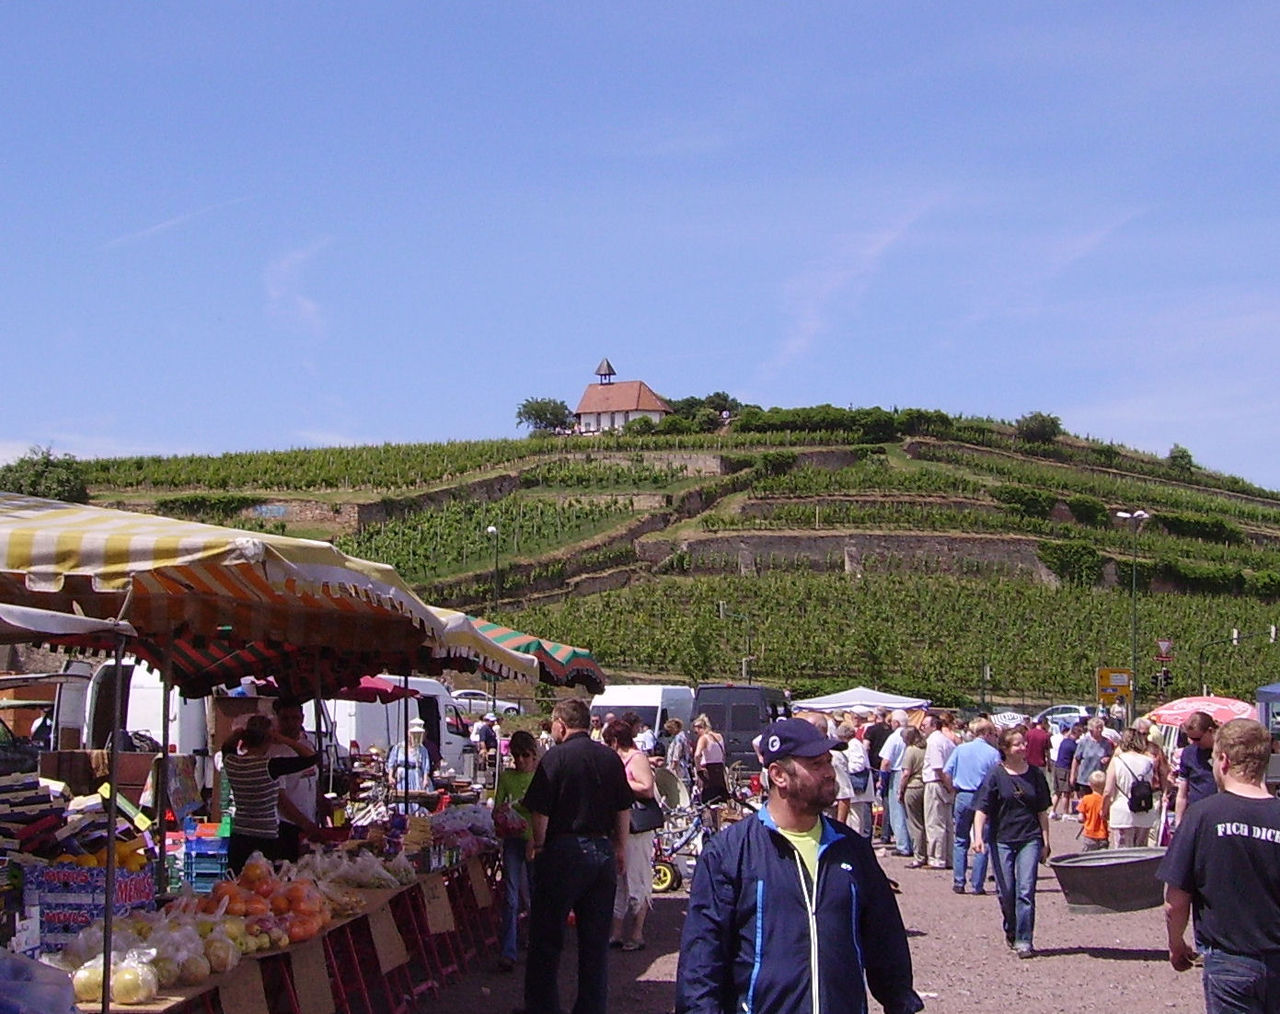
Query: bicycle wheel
(665, 876)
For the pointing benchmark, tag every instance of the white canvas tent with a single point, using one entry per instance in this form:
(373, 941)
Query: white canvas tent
(859, 696)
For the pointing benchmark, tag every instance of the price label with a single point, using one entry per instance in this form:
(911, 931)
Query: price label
(435, 899)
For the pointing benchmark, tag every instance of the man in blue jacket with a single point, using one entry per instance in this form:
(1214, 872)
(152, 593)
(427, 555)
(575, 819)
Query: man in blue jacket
(789, 912)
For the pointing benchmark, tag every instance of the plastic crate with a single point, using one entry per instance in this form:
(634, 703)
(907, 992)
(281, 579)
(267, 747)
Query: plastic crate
(206, 846)
(194, 865)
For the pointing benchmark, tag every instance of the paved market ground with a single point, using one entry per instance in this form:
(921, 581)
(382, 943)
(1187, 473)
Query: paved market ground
(1104, 963)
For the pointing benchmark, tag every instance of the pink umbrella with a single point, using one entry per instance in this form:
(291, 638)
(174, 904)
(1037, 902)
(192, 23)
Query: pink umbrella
(375, 690)
(1220, 709)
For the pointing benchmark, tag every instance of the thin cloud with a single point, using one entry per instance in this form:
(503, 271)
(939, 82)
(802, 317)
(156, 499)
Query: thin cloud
(842, 276)
(286, 300)
(170, 223)
(323, 438)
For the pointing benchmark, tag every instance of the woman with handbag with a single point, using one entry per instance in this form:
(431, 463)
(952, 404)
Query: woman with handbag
(636, 888)
(508, 816)
(1129, 793)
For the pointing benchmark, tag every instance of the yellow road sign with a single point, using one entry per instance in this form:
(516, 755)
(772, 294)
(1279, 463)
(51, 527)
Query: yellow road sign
(1113, 683)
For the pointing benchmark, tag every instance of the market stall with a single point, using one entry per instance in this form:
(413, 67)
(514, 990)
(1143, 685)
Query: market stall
(209, 605)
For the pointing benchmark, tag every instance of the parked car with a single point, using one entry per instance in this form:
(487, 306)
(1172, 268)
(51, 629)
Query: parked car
(1069, 713)
(477, 702)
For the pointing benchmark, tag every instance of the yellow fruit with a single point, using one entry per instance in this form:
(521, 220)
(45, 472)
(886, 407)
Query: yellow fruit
(87, 861)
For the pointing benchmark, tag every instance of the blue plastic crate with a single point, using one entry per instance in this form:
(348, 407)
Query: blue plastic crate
(200, 846)
(216, 865)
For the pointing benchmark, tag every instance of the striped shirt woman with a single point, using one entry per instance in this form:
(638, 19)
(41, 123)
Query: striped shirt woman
(254, 787)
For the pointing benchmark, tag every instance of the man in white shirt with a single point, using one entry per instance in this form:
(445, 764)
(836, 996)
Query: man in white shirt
(891, 766)
(938, 798)
(297, 801)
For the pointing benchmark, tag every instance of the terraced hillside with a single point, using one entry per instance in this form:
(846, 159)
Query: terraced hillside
(915, 556)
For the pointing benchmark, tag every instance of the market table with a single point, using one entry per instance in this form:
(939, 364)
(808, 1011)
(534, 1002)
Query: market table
(406, 941)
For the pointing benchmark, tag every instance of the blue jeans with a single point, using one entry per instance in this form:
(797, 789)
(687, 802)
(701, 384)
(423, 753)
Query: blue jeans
(572, 874)
(960, 850)
(1015, 871)
(1238, 984)
(898, 816)
(515, 889)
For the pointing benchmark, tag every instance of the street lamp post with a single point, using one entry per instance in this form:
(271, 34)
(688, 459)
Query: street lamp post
(1134, 519)
(492, 532)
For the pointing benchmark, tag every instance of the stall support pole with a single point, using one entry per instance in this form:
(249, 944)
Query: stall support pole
(113, 764)
(321, 749)
(404, 738)
(161, 793)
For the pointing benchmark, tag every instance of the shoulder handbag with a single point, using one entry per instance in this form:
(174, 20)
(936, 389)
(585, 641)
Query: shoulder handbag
(646, 815)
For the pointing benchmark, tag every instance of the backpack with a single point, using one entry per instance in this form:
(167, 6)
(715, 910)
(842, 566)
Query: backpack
(1141, 797)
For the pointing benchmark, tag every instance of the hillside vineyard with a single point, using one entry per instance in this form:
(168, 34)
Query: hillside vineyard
(916, 563)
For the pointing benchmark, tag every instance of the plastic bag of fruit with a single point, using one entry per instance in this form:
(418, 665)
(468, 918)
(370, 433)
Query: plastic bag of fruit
(134, 980)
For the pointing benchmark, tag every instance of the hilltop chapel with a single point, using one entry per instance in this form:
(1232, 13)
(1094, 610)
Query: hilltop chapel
(609, 406)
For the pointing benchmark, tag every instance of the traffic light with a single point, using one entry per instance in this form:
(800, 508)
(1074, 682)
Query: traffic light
(1163, 679)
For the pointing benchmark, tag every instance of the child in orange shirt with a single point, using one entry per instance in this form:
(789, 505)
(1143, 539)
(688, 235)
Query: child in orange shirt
(1093, 815)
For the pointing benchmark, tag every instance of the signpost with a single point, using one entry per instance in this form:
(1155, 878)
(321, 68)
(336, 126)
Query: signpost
(1114, 686)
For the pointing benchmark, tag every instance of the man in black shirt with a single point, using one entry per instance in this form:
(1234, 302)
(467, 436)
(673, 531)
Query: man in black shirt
(580, 805)
(1224, 865)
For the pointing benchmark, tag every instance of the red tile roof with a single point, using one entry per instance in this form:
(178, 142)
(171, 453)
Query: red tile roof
(624, 396)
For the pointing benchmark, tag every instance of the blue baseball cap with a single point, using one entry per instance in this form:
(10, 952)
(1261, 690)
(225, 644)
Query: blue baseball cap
(794, 737)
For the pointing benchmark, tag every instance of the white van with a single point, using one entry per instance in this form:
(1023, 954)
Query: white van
(654, 703)
(82, 711)
(382, 725)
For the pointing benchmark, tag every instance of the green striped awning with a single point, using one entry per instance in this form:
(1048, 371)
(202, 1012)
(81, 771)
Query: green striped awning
(565, 664)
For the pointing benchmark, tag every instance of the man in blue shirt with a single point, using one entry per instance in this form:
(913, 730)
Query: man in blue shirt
(965, 771)
(1195, 768)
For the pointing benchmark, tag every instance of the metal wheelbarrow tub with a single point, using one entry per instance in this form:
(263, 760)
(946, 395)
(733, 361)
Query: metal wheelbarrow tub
(1110, 880)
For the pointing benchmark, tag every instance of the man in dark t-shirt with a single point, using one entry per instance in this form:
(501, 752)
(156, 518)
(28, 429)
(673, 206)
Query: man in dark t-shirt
(1224, 866)
(579, 803)
(873, 738)
(1195, 769)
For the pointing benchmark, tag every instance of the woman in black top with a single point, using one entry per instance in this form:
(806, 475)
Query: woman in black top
(1015, 799)
(255, 789)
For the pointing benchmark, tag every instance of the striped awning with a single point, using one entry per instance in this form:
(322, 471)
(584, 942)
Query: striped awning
(566, 664)
(221, 600)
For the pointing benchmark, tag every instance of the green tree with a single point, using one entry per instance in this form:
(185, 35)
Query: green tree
(674, 425)
(1180, 460)
(706, 420)
(542, 414)
(1038, 428)
(640, 426)
(42, 473)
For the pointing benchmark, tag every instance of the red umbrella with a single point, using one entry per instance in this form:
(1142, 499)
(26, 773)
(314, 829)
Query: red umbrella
(375, 690)
(1220, 709)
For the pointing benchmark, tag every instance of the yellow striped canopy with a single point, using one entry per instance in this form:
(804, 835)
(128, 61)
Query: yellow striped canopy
(213, 592)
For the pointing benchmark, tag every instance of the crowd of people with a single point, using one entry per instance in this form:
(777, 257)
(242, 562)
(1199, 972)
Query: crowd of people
(842, 794)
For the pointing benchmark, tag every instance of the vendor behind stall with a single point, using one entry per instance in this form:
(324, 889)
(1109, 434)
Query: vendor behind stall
(255, 787)
(409, 766)
(297, 801)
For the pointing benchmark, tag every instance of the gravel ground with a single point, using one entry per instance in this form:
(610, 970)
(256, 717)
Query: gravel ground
(1084, 962)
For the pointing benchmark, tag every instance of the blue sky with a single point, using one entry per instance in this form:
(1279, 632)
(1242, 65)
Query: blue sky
(247, 226)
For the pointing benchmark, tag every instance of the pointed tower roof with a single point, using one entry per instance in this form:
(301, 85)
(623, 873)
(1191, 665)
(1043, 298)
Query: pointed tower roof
(606, 372)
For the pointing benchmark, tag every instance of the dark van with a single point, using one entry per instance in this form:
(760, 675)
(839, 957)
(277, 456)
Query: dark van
(740, 713)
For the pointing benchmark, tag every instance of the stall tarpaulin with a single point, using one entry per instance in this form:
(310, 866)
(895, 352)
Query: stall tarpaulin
(566, 664)
(859, 697)
(218, 595)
